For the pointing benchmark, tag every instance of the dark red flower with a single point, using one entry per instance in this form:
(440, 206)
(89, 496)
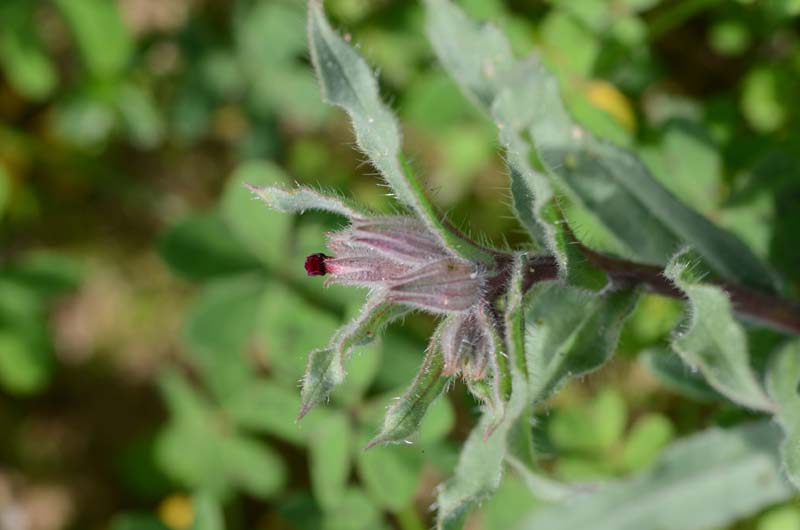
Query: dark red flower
(315, 264)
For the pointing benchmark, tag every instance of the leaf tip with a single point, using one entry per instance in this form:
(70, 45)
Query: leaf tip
(380, 439)
(305, 408)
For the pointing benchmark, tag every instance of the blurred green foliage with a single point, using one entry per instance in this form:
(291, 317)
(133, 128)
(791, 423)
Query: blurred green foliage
(155, 319)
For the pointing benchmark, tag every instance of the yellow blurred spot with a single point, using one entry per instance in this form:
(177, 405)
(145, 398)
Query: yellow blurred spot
(607, 97)
(176, 512)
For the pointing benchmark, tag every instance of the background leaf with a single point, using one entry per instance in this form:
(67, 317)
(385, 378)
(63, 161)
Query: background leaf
(712, 478)
(330, 446)
(100, 34)
(262, 231)
(206, 235)
(783, 383)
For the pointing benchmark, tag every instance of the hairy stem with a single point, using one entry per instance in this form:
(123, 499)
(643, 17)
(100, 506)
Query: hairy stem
(775, 312)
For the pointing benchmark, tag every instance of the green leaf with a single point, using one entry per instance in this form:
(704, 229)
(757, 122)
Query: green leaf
(187, 448)
(570, 44)
(252, 465)
(329, 459)
(480, 464)
(780, 518)
(201, 451)
(511, 503)
(362, 367)
(207, 512)
(646, 440)
(671, 371)
(5, 189)
(354, 512)
(783, 383)
(301, 199)
(271, 33)
(570, 333)
(390, 474)
(325, 367)
(478, 56)
(347, 82)
(263, 232)
(104, 42)
(613, 184)
(404, 416)
(219, 329)
(25, 367)
(288, 327)
(534, 200)
(45, 274)
(762, 103)
(323, 373)
(705, 481)
(265, 406)
(540, 486)
(25, 62)
(437, 422)
(135, 521)
(140, 115)
(712, 341)
(688, 164)
(595, 428)
(201, 246)
(616, 187)
(555, 348)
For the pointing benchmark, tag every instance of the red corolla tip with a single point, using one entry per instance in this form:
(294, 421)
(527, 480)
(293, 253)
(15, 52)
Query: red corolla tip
(315, 264)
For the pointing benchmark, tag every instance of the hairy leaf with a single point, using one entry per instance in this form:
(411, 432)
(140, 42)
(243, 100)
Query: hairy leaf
(542, 487)
(611, 182)
(325, 367)
(301, 199)
(478, 56)
(405, 415)
(678, 376)
(480, 464)
(570, 333)
(705, 481)
(712, 340)
(347, 81)
(783, 383)
(534, 199)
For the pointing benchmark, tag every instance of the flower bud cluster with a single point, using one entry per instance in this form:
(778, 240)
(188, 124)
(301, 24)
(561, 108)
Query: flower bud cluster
(401, 262)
